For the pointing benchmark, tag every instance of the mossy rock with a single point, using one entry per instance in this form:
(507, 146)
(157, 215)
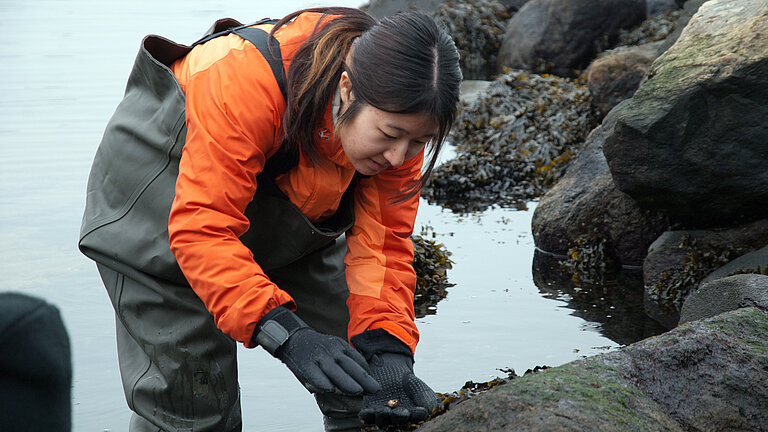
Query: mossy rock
(706, 375)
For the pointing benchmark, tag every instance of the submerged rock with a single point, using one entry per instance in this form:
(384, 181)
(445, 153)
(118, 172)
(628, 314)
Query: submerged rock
(692, 141)
(477, 28)
(708, 375)
(513, 142)
(616, 305)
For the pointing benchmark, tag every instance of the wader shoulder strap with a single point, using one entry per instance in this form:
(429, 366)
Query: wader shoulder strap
(269, 47)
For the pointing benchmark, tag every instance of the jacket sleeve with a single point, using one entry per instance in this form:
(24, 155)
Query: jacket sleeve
(232, 126)
(379, 260)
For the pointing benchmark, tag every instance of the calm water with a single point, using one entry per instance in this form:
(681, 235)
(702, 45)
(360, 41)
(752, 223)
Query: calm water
(63, 66)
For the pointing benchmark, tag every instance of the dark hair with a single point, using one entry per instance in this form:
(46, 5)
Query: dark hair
(401, 64)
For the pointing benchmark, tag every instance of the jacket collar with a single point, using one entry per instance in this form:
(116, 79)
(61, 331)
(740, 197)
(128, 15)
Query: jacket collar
(326, 143)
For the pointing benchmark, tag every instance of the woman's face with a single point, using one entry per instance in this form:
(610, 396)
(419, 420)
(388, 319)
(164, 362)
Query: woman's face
(376, 140)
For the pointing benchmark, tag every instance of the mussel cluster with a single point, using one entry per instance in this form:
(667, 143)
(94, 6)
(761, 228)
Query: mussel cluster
(513, 142)
(651, 30)
(477, 28)
(430, 262)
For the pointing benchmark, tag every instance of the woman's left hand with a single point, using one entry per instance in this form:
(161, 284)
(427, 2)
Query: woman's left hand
(403, 399)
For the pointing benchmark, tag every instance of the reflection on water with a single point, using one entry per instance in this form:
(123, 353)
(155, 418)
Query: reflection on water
(617, 306)
(59, 88)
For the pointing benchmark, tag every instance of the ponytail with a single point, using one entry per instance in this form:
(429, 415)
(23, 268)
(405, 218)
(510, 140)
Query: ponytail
(315, 72)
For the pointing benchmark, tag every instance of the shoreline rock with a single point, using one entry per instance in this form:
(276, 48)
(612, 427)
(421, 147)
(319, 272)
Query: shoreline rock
(706, 375)
(690, 143)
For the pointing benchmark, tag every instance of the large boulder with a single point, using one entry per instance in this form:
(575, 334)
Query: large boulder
(586, 204)
(692, 141)
(708, 375)
(558, 36)
(689, 8)
(726, 294)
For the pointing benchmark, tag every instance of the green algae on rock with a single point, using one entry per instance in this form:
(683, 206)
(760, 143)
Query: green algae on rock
(704, 375)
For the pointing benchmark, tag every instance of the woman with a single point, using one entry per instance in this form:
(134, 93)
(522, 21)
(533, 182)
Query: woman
(286, 204)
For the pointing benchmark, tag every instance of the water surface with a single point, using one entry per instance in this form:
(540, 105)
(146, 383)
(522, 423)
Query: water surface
(63, 66)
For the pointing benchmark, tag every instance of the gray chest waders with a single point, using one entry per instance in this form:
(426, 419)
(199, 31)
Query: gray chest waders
(179, 371)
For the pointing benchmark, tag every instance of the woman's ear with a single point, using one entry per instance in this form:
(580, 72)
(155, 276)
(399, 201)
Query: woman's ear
(345, 89)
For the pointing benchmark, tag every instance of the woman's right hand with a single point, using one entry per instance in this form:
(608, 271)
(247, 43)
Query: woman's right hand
(321, 362)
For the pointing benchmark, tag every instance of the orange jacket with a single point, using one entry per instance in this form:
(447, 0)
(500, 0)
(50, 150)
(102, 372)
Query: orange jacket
(234, 114)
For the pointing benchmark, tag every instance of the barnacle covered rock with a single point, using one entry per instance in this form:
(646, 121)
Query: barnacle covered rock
(513, 142)
(477, 27)
(653, 29)
(431, 260)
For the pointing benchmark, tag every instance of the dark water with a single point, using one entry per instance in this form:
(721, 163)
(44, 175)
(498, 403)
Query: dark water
(63, 66)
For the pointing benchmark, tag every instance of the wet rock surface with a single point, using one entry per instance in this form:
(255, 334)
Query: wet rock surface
(688, 142)
(586, 207)
(513, 142)
(707, 375)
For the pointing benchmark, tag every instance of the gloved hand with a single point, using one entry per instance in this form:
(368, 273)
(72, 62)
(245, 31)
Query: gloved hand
(321, 362)
(404, 398)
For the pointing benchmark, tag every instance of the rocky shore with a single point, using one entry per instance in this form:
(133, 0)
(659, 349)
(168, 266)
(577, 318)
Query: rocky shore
(640, 127)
